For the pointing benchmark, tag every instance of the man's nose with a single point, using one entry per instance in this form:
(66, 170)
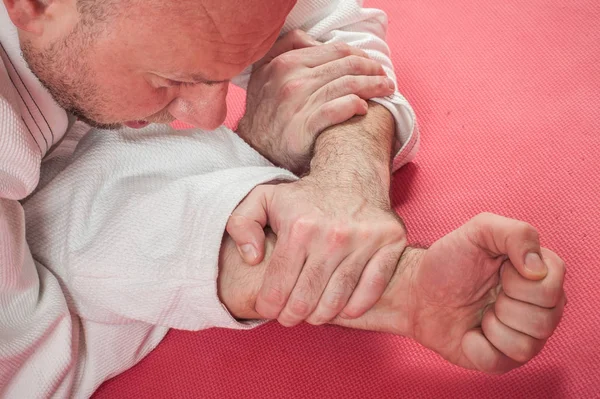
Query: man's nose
(203, 106)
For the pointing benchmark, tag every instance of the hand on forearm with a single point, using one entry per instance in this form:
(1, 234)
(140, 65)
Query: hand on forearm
(486, 296)
(301, 88)
(239, 285)
(329, 214)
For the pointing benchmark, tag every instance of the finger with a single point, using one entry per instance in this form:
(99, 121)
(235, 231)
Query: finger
(339, 288)
(247, 222)
(283, 270)
(316, 56)
(502, 236)
(483, 356)
(374, 280)
(333, 113)
(514, 344)
(310, 286)
(365, 87)
(546, 293)
(526, 318)
(293, 40)
(348, 66)
(249, 237)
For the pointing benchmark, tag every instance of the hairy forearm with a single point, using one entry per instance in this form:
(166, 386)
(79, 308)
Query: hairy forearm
(357, 154)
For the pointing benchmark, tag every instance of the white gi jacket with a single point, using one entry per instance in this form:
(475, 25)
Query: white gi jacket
(120, 241)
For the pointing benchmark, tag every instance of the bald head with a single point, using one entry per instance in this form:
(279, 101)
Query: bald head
(113, 61)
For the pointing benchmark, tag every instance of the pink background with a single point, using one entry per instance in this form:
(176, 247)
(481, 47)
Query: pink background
(507, 94)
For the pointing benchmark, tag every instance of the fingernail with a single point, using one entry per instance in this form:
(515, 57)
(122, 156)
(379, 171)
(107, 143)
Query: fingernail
(534, 264)
(391, 84)
(249, 252)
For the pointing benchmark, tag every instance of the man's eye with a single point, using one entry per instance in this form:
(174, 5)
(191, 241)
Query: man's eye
(175, 83)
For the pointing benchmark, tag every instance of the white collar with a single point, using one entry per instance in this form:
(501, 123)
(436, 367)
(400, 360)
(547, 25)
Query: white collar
(46, 120)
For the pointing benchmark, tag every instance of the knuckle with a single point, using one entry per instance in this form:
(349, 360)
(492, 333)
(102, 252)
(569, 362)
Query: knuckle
(378, 281)
(274, 296)
(338, 236)
(365, 234)
(354, 99)
(491, 365)
(342, 49)
(328, 112)
(235, 222)
(303, 228)
(488, 320)
(335, 301)
(482, 218)
(524, 350)
(544, 326)
(396, 231)
(484, 215)
(382, 84)
(282, 64)
(528, 230)
(552, 295)
(299, 307)
(296, 33)
(354, 63)
(561, 267)
(317, 319)
(290, 89)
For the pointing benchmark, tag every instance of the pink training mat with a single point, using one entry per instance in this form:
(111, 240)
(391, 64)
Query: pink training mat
(507, 94)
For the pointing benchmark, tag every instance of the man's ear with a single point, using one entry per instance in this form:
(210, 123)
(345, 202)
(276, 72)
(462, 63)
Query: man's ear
(28, 15)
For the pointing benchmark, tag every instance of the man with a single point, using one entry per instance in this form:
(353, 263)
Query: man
(126, 233)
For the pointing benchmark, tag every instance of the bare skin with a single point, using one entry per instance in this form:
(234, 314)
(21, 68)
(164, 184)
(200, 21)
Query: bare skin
(160, 73)
(481, 296)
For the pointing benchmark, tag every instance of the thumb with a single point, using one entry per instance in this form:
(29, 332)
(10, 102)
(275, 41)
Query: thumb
(247, 222)
(519, 240)
(293, 40)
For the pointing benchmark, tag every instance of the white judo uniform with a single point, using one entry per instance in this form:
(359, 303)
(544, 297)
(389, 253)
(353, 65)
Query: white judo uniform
(108, 239)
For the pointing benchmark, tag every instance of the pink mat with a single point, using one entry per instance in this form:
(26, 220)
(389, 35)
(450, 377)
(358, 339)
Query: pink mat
(508, 99)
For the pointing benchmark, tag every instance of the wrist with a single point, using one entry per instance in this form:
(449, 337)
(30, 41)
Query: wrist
(400, 292)
(238, 284)
(394, 312)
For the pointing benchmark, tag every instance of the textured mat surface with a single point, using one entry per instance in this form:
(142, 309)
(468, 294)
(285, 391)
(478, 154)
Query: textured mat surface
(508, 99)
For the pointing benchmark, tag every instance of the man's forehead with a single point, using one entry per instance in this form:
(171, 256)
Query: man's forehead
(237, 23)
(233, 18)
(242, 12)
(202, 40)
